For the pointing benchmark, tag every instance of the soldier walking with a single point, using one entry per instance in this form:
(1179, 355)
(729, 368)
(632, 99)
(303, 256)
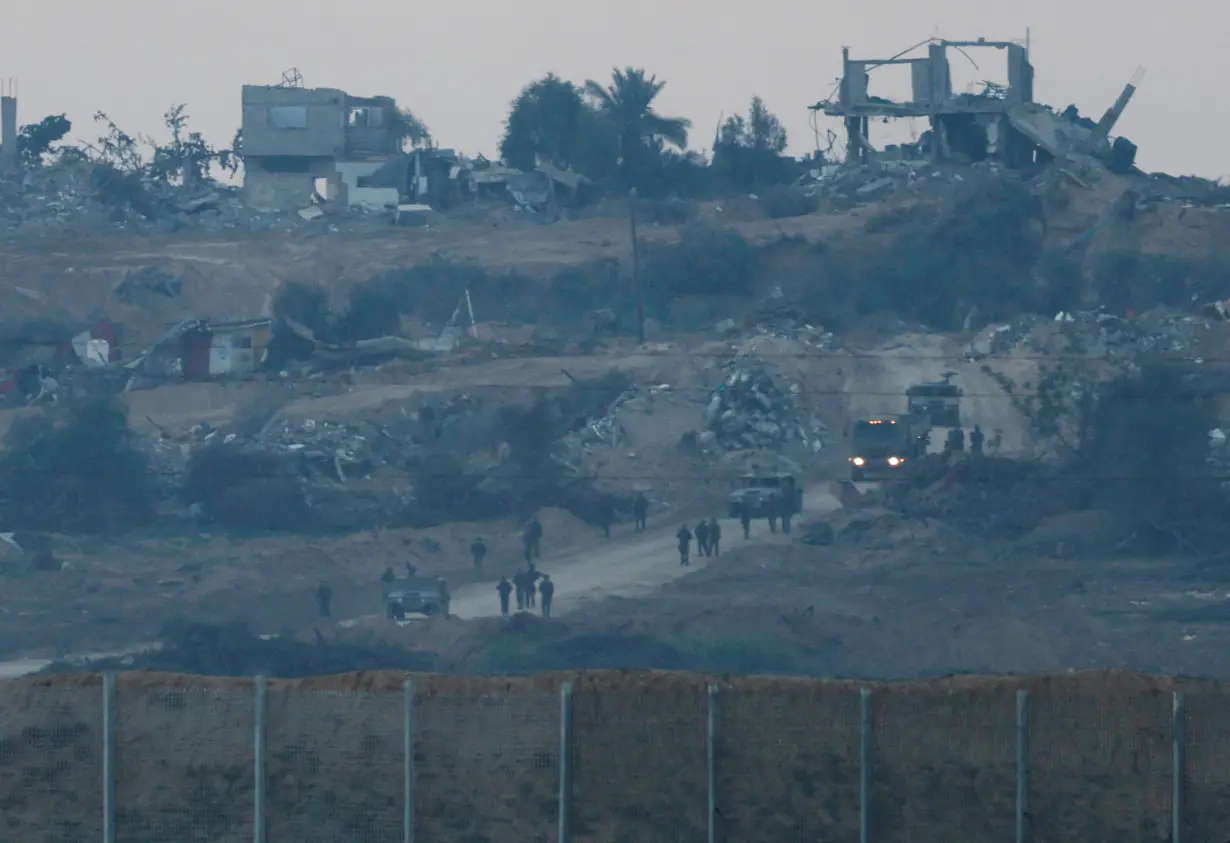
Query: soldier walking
(715, 537)
(787, 511)
(606, 517)
(547, 589)
(702, 538)
(685, 541)
(532, 537)
(479, 551)
(745, 519)
(504, 588)
(531, 586)
(640, 510)
(519, 583)
(976, 438)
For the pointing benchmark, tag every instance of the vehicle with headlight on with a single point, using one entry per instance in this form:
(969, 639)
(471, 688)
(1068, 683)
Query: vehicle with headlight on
(884, 446)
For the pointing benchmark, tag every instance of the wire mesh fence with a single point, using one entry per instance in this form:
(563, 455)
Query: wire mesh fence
(152, 759)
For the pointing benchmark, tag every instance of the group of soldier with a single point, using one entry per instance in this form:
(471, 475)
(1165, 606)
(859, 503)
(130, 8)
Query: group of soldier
(708, 535)
(955, 442)
(528, 585)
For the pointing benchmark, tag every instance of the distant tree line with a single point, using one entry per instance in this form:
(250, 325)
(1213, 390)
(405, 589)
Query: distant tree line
(613, 134)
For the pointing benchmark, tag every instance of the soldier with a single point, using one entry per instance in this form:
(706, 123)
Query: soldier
(532, 539)
(976, 438)
(715, 537)
(640, 509)
(478, 550)
(702, 538)
(324, 600)
(531, 586)
(504, 588)
(685, 540)
(745, 519)
(773, 508)
(786, 510)
(388, 576)
(411, 570)
(606, 517)
(519, 583)
(547, 588)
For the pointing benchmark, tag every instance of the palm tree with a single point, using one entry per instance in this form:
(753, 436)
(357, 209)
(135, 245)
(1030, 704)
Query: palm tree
(628, 103)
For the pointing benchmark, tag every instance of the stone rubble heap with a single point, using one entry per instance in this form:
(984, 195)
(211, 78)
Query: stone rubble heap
(1097, 335)
(749, 411)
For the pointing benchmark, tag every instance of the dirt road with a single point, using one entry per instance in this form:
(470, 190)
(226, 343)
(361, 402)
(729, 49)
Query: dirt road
(876, 384)
(630, 566)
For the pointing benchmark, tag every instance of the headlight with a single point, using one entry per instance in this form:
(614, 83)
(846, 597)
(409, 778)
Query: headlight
(894, 461)
(859, 461)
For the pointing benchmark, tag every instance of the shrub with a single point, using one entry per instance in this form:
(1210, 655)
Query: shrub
(74, 470)
(781, 202)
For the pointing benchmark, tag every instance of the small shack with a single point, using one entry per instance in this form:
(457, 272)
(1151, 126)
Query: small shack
(199, 350)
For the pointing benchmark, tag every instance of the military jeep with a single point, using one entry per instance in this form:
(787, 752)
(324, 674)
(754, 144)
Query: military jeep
(763, 495)
(417, 596)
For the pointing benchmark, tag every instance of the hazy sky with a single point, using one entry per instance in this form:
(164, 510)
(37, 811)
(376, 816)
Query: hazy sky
(458, 66)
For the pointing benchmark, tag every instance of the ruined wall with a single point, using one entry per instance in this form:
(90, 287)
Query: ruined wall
(486, 754)
(321, 135)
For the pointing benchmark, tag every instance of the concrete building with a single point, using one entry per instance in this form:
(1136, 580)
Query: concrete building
(9, 159)
(977, 126)
(294, 139)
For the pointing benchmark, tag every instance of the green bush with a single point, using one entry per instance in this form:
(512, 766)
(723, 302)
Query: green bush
(705, 261)
(75, 469)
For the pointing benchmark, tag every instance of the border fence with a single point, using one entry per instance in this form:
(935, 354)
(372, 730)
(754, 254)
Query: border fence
(148, 758)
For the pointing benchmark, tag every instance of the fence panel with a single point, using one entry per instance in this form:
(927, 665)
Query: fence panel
(183, 764)
(334, 767)
(639, 766)
(487, 767)
(943, 764)
(1206, 806)
(788, 765)
(1099, 764)
(50, 763)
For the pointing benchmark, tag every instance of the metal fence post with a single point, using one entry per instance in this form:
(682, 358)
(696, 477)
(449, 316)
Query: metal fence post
(565, 761)
(1022, 763)
(108, 757)
(1179, 763)
(258, 753)
(711, 741)
(408, 768)
(864, 766)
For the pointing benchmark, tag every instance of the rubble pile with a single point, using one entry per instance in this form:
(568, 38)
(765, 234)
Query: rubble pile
(749, 411)
(74, 195)
(1098, 335)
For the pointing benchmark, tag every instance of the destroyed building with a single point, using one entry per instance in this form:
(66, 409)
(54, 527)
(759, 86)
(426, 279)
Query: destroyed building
(293, 137)
(1001, 123)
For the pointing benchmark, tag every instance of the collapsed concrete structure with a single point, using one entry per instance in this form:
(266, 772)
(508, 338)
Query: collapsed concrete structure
(293, 137)
(1000, 122)
(9, 158)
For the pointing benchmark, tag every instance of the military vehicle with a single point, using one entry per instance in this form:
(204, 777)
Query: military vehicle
(762, 494)
(883, 446)
(939, 401)
(416, 596)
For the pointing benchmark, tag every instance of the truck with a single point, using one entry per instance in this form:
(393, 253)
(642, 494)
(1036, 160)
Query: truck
(884, 446)
(416, 596)
(762, 494)
(939, 401)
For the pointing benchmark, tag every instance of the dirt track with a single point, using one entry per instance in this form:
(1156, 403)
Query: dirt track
(876, 384)
(633, 567)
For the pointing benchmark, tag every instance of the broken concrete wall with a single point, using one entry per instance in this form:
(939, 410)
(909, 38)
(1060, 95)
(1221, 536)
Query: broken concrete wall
(272, 191)
(298, 122)
(8, 133)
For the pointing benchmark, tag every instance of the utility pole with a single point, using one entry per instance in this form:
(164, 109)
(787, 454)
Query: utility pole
(636, 270)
